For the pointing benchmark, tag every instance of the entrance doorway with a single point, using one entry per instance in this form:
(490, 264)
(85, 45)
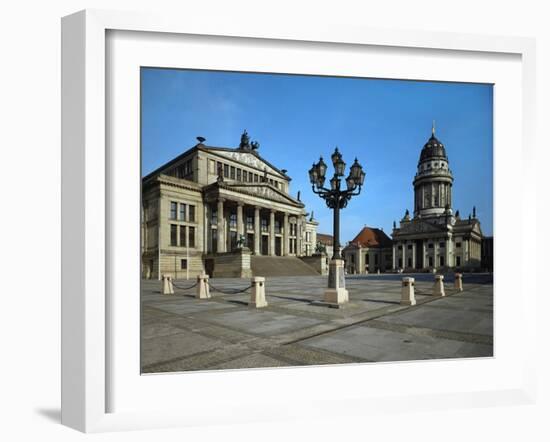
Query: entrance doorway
(419, 258)
(265, 245)
(278, 246)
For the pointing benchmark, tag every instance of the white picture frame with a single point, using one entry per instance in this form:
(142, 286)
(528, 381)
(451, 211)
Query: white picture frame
(86, 206)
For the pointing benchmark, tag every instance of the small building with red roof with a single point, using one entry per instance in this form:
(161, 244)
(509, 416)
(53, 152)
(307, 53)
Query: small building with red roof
(370, 251)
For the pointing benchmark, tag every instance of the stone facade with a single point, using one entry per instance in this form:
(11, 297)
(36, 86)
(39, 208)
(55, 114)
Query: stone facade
(435, 238)
(211, 201)
(327, 242)
(369, 252)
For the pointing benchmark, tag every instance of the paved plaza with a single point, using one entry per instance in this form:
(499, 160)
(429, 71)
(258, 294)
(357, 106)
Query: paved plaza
(181, 333)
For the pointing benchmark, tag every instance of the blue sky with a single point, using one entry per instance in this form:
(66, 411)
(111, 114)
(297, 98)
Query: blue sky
(384, 123)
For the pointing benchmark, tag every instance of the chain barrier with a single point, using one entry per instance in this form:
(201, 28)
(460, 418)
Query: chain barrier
(231, 291)
(185, 288)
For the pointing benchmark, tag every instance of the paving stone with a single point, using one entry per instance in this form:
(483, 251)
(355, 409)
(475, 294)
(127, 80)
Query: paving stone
(261, 321)
(254, 360)
(181, 333)
(165, 348)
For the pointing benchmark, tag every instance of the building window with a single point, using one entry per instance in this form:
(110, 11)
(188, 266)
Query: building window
(239, 171)
(191, 236)
(442, 245)
(264, 224)
(173, 235)
(458, 261)
(249, 222)
(233, 220)
(233, 240)
(185, 169)
(211, 166)
(173, 210)
(245, 176)
(232, 175)
(191, 214)
(292, 229)
(277, 226)
(458, 245)
(430, 246)
(441, 261)
(399, 248)
(400, 263)
(183, 264)
(308, 236)
(214, 217)
(182, 212)
(256, 178)
(226, 170)
(375, 259)
(182, 236)
(409, 262)
(409, 247)
(430, 261)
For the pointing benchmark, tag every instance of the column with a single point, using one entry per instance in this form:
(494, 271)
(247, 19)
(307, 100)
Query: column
(221, 227)
(257, 233)
(448, 254)
(414, 255)
(394, 256)
(423, 262)
(299, 236)
(403, 253)
(272, 233)
(436, 253)
(240, 223)
(286, 227)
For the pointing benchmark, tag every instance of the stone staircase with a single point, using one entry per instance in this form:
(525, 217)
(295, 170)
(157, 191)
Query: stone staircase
(280, 266)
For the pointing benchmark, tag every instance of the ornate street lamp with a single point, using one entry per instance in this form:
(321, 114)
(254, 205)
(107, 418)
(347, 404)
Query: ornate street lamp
(336, 198)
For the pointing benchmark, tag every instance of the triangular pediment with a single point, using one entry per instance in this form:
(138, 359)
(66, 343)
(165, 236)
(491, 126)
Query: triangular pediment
(265, 191)
(249, 159)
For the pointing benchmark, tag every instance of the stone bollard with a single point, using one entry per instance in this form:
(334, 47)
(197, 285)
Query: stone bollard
(257, 296)
(407, 292)
(458, 282)
(167, 286)
(439, 289)
(203, 289)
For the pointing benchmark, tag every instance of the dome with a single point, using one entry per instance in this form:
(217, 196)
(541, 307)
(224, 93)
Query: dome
(433, 149)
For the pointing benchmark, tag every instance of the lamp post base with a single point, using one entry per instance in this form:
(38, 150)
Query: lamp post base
(336, 292)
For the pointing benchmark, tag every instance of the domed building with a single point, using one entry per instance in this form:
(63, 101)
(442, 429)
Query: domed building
(435, 238)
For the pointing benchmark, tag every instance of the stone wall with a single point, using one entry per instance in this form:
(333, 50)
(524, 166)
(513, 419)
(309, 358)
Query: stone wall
(233, 264)
(171, 264)
(318, 262)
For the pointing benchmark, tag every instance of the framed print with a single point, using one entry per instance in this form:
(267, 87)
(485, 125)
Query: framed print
(210, 254)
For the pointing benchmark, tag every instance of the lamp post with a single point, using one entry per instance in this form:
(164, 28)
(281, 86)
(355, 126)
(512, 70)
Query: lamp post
(336, 198)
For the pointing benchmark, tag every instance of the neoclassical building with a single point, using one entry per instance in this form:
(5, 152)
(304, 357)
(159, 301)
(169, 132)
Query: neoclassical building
(369, 252)
(434, 237)
(211, 202)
